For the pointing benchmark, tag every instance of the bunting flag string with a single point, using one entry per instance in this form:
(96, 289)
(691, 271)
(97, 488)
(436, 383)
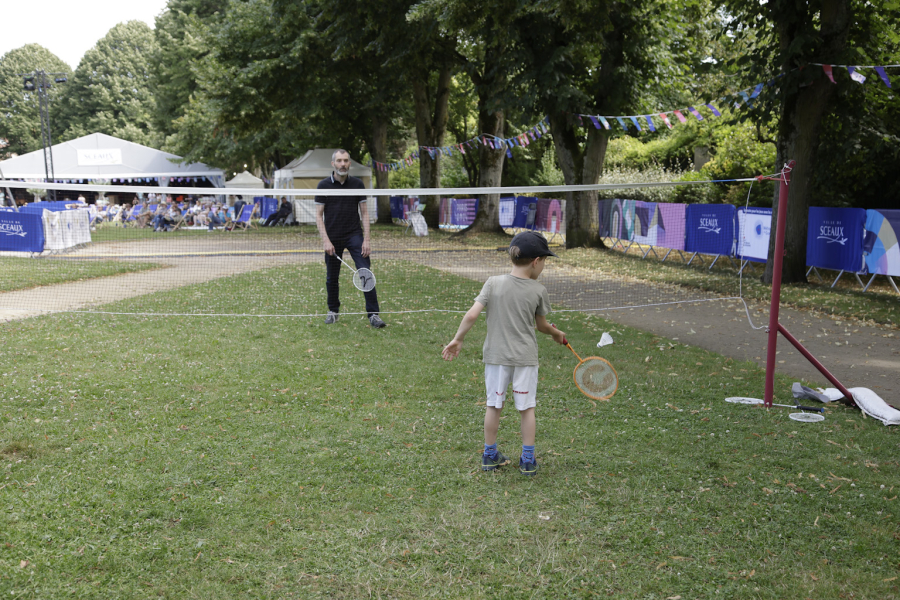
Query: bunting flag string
(746, 98)
(487, 140)
(535, 132)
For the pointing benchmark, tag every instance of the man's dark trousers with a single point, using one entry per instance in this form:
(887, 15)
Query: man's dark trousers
(333, 270)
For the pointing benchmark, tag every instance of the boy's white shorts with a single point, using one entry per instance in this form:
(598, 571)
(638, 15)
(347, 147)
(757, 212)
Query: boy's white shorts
(524, 382)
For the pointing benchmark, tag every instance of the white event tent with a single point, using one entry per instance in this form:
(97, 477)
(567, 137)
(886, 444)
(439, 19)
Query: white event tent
(103, 158)
(306, 172)
(245, 180)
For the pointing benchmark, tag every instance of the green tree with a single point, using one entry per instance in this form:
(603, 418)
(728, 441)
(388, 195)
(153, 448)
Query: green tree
(607, 58)
(409, 64)
(789, 37)
(20, 121)
(110, 90)
(180, 44)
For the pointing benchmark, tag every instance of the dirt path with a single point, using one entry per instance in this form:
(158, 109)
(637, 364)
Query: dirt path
(858, 355)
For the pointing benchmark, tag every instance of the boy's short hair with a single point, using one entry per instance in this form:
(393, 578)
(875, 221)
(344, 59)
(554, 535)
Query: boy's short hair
(517, 260)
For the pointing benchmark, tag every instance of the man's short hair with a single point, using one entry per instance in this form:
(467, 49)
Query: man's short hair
(339, 151)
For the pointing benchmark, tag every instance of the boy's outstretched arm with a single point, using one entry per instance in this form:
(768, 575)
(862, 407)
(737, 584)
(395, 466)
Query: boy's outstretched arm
(452, 349)
(541, 324)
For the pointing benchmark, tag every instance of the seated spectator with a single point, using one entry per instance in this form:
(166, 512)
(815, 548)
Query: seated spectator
(215, 218)
(284, 211)
(166, 216)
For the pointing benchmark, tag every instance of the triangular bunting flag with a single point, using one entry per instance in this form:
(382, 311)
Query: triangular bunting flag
(856, 75)
(695, 113)
(636, 124)
(680, 116)
(622, 123)
(829, 73)
(666, 120)
(605, 122)
(595, 122)
(884, 77)
(713, 109)
(756, 90)
(650, 123)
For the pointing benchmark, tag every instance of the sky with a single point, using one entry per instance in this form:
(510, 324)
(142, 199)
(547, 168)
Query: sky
(69, 28)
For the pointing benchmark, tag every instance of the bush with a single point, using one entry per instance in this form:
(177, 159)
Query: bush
(697, 193)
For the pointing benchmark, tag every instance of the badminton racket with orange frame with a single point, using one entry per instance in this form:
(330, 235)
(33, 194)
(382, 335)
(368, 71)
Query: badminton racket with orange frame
(594, 376)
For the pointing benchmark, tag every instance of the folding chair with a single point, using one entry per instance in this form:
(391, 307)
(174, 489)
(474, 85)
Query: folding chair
(131, 218)
(244, 222)
(180, 220)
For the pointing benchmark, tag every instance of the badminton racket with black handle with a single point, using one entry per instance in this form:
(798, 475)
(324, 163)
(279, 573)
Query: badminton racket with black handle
(742, 400)
(363, 278)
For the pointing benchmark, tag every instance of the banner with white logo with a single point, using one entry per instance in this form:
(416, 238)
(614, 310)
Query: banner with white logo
(710, 229)
(21, 232)
(834, 238)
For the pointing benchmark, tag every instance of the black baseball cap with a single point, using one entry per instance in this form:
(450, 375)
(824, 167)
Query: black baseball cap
(531, 245)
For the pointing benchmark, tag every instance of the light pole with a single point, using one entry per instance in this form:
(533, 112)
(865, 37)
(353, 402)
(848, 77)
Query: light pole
(9, 197)
(38, 82)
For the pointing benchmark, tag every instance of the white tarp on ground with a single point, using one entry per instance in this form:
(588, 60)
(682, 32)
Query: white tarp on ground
(870, 403)
(66, 228)
(305, 209)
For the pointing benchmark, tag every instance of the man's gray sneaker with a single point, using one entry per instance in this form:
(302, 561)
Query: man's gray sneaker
(376, 322)
(331, 317)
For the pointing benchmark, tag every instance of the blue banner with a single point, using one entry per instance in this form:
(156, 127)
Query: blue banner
(834, 238)
(52, 205)
(710, 229)
(267, 206)
(397, 207)
(21, 231)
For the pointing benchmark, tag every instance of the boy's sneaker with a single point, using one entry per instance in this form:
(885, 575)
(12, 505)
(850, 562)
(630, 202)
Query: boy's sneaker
(529, 469)
(376, 322)
(331, 317)
(491, 463)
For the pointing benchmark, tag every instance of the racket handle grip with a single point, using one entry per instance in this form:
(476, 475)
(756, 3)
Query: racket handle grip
(565, 341)
(812, 408)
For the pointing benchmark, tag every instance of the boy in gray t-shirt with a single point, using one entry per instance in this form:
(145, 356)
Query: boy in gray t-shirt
(516, 305)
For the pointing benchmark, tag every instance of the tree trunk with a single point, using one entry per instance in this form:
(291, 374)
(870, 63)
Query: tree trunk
(490, 171)
(379, 153)
(802, 111)
(580, 168)
(432, 112)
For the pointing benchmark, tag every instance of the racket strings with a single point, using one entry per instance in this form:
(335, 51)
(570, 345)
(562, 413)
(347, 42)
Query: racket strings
(596, 378)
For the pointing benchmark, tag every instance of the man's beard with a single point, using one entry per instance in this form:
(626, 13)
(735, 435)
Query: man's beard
(342, 172)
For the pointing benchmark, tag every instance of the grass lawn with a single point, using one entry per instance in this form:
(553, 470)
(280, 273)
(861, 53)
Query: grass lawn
(276, 458)
(24, 273)
(847, 300)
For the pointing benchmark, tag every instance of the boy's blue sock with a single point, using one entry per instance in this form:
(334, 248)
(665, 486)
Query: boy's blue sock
(527, 453)
(490, 450)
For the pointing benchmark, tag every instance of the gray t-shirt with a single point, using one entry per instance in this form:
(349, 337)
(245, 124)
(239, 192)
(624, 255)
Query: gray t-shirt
(512, 303)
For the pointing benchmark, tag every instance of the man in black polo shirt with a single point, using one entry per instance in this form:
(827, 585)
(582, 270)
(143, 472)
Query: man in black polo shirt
(338, 220)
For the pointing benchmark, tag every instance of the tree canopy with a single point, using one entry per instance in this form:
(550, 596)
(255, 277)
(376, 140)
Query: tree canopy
(20, 121)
